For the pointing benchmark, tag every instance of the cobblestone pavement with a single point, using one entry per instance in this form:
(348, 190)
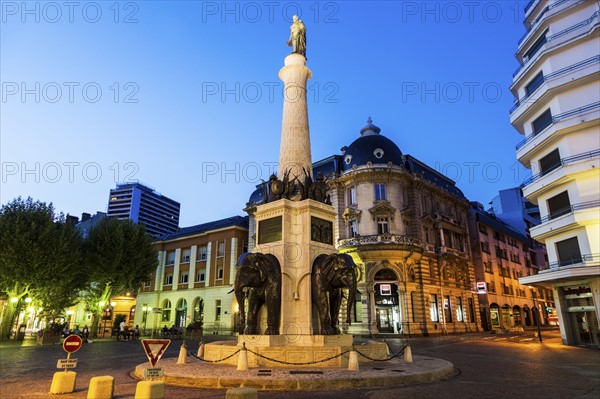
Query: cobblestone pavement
(491, 366)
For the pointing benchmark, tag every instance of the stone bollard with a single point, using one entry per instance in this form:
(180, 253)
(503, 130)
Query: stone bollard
(243, 358)
(182, 354)
(201, 350)
(353, 361)
(408, 354)
(150, 390)
(101, 387)
(63, 382)
(241, 393)
(387, 348)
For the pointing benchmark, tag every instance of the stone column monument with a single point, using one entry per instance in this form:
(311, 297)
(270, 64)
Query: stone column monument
(294, 153)
(295, 225)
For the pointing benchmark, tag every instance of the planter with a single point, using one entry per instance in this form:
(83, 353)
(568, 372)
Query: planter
(48, 338)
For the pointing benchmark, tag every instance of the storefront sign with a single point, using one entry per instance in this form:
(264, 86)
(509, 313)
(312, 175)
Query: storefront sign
(385, 289)
(481, 287)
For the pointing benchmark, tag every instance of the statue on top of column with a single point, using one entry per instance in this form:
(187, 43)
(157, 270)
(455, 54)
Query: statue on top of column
(298, 37)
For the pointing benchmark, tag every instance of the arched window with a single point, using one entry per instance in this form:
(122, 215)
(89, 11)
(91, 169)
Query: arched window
(385, 275)
(166, 310)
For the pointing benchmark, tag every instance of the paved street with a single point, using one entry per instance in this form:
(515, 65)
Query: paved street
(490, 366)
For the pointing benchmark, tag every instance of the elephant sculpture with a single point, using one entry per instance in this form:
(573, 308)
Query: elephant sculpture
(258, 278)
(330, 274)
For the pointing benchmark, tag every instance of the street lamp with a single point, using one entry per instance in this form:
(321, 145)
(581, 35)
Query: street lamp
(107, 314)
(146, 309)
(536, 313)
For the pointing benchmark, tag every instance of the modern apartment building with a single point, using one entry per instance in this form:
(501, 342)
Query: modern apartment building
(501, 255)
(196, 271)
(515, 210)
(557, 109)
(159, 214)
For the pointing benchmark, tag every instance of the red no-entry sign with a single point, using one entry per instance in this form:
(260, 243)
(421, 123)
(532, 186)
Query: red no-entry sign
(72, 343)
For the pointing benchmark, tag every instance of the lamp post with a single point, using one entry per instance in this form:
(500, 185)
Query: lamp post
(107, 314)
(536, 313)
(146, 309)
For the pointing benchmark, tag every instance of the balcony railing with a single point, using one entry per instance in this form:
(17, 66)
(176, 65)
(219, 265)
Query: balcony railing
(560, 117)
(529, 5)
(553, 75)
(588, 258)
(379, 239)
(563, 161)
(544, 11)
(571, 209)
(557, 35)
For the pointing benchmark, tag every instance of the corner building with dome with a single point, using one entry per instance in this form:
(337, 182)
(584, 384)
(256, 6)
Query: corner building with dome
(405, 225)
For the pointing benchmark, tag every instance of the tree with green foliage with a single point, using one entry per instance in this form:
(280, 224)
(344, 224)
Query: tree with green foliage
(119, 257)
(40, 258)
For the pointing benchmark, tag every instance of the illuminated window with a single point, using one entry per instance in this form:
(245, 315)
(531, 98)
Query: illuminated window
(433, 308)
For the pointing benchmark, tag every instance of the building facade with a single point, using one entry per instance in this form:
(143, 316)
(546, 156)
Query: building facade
(196, 271)
(515, 210)
(405, 225)
(159, 214)
(501, 255)
(557, 109)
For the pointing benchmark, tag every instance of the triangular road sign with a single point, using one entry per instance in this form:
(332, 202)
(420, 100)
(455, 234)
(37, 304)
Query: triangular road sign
(155, 348)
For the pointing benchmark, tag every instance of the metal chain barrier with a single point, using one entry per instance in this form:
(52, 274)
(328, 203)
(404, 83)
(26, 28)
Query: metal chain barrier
(297, 363)
(304, 363)
(214, 361)
(381, 360)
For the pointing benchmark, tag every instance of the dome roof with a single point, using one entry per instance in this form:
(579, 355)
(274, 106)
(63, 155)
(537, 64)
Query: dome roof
(371, 147)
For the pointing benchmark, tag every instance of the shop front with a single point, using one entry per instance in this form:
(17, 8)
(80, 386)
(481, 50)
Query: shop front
(581, 317)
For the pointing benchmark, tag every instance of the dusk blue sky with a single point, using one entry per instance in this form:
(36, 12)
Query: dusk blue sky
(434, 76)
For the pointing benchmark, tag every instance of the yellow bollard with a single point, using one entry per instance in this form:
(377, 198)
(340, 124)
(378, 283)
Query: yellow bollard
(63, 382)
(182, 354)
(101, 387)
(150, 390)
(201, 350)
